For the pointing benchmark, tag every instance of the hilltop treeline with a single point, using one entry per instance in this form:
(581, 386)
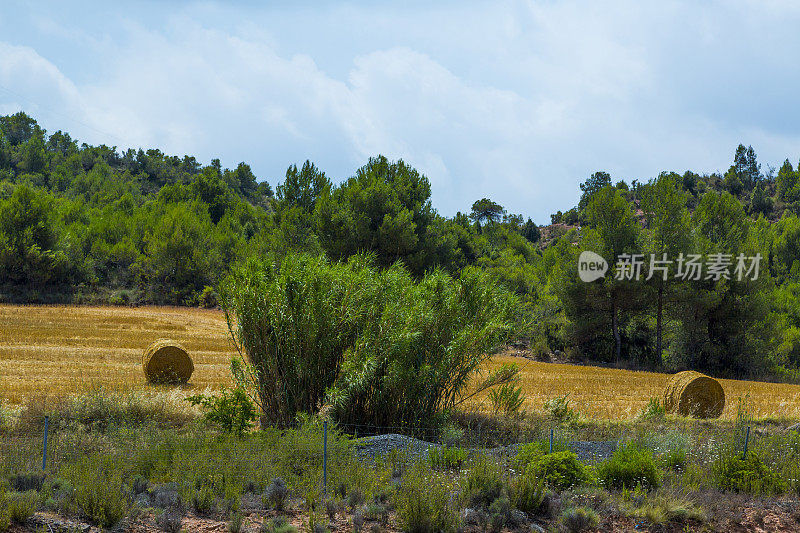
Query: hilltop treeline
(83, 223)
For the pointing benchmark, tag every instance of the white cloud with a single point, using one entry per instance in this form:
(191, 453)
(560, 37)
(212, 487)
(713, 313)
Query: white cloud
(518, 101)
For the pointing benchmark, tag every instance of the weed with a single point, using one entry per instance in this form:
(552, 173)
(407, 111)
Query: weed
(232, 410)
(751, 474)
(203, 499)
(170, 520)
(484, 482)
(653, 410)
(276, 495)
(277, 525)
(560, 470)
(578, 519)
(507, 399)
(631, 465)
(21, 505)
(560, 410)
(446, 458)
(236, 522)
(98, 490)
(528, 493)
(423, 504)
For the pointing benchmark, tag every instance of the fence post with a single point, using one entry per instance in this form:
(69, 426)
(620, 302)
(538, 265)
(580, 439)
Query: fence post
(44, 447)
(746, 442)
(551, 440)
(325, 458)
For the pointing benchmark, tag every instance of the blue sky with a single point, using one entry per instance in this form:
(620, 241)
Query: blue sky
(516, 101)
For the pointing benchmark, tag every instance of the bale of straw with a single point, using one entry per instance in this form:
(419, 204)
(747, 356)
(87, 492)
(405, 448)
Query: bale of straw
(166, 361)
(694, 394)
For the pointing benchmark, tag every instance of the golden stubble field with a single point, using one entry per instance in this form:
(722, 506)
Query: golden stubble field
(56, 350)
(59, 350)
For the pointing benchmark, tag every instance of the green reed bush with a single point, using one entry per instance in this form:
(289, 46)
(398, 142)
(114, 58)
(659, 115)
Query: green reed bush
(377, 345)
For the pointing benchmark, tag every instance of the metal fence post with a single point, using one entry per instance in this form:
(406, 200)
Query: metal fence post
(325, 458)
(551, 440)
(44, 447)
(746, 442)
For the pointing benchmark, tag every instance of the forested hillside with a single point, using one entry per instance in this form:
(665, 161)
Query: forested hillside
(82, 223)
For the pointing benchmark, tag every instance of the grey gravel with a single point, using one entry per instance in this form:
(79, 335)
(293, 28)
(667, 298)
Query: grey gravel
(370, 447)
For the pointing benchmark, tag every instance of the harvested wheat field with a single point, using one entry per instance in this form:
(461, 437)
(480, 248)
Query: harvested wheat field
(64, 349)
(607, 393)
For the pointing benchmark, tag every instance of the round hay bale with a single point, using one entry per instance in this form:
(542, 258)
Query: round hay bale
(166, 361)
(694, 394)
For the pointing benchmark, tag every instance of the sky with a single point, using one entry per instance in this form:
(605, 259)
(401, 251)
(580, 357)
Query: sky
(511, 100)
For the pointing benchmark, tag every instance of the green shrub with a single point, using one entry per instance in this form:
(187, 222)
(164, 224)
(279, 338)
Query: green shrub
(484, 482)
(673, 459)
(232, 410)
(423, 504)
(446, 458)
(5, 519)
(750, 474)
(500, 513)
(98, 490)
(527, 453)
(630, 466)
(507, 399)
(277, 525)
(578, 519)
(653, 410)
(203, 499)
(21, 505)
(527, 493)
(560, 470)
(377, 344)
(276, 495)
(560, 410)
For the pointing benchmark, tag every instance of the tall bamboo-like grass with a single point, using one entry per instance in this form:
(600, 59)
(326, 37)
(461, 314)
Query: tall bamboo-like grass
(378, 346)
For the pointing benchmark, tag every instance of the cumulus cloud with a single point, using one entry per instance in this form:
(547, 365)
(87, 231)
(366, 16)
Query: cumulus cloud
(518, 101)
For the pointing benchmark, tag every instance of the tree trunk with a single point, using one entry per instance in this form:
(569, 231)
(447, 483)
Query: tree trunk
(615, 327)
(658, 318)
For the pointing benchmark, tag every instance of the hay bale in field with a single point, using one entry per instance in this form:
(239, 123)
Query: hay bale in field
(166, 361)
(694, 394)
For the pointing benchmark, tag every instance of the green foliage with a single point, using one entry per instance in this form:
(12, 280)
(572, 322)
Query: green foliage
(445, 458)
(749, 474)
(527, 492)
(528, 453)
(507, 399)
(203, 499)
(21, 505)
(559, 470)
(423, 504)
(560, 410)
(276, 495)
(380, 346)
(629, 467)
(653, 410)
(484, 482)
(277, 525)
(232, 410)
(98, 490)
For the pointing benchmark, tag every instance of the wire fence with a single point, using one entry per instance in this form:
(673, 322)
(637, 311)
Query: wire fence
(682, 443)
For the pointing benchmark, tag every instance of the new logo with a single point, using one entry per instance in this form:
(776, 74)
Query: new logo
(591, 266)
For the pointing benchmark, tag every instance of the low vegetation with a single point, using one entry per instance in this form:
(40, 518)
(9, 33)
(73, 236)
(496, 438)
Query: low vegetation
(136, 468)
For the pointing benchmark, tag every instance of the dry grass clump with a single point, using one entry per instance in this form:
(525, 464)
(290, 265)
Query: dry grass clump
(166, 361)
(694, 394)
(100, 407)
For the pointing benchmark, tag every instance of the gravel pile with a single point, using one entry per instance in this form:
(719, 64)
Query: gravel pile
(371, 447)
